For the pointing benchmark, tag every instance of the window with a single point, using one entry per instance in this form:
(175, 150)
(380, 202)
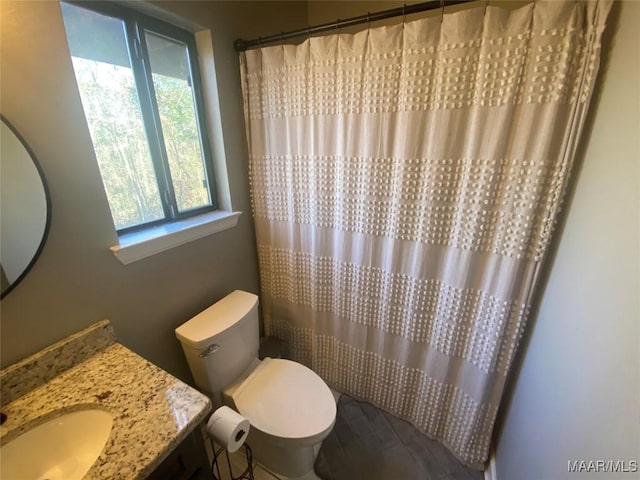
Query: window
(139, 83)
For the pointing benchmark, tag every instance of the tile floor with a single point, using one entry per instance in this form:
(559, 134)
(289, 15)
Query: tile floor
(368, 443)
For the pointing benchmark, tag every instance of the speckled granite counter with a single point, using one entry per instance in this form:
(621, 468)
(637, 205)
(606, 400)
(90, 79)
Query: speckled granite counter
(153, 412)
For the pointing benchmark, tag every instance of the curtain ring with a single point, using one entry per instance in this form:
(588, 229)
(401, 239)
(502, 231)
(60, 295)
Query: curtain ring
(486, 4)
(442, 10)
(368, 20)
(308, 31)
(404, 13)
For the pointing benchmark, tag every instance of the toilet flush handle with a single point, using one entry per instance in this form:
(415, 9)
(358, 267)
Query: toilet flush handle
(213, 348)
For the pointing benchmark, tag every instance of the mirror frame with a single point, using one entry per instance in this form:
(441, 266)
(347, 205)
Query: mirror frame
(47, 196)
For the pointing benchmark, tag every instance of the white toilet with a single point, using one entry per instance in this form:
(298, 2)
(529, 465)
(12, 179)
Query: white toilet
(290, 408)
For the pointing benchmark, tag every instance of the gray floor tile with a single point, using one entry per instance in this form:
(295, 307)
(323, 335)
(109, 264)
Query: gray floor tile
(370, 444)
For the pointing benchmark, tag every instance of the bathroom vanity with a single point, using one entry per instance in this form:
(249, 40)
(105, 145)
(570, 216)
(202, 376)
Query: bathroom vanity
(154, 416)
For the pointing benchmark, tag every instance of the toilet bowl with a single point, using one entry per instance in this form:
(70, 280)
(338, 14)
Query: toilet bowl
(290, 408)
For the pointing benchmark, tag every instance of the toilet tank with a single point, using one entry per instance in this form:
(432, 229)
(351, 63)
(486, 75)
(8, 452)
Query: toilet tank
(221, 342)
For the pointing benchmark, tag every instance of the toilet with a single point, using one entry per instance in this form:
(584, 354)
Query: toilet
(290, 408)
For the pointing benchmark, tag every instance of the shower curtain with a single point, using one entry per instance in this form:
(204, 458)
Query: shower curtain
(405, 182)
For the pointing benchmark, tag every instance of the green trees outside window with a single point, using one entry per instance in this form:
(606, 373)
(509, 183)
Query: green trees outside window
(139, 85)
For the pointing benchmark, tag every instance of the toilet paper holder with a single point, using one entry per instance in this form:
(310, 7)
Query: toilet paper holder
(246, 474)
(228, 429)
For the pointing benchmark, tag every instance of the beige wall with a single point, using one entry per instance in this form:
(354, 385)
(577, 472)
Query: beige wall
(77, 281)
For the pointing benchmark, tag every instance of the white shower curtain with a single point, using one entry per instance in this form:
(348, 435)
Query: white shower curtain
(405, 183)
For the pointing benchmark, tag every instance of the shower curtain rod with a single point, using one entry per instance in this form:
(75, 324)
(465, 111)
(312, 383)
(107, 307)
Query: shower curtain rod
(241, 45)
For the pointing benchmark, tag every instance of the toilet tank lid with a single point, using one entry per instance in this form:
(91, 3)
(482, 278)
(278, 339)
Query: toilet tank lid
(199, 331)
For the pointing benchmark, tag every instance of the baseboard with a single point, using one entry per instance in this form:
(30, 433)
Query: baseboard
(490, 472)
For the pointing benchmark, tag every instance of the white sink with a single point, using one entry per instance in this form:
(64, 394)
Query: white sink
(63, 448)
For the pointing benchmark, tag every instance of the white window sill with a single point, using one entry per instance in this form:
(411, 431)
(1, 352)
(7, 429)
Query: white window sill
(138, 245)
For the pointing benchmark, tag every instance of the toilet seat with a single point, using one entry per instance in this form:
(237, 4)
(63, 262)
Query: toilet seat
(287, 400)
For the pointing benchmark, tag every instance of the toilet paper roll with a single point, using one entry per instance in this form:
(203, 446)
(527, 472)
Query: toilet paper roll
(228, 428)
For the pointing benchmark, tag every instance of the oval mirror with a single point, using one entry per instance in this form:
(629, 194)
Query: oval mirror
(25, 208)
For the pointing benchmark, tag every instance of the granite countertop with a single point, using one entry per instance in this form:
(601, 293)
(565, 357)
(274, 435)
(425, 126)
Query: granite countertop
(152, 410)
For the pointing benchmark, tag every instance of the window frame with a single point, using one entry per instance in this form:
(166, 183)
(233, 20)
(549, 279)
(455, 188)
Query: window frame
(135, 24)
